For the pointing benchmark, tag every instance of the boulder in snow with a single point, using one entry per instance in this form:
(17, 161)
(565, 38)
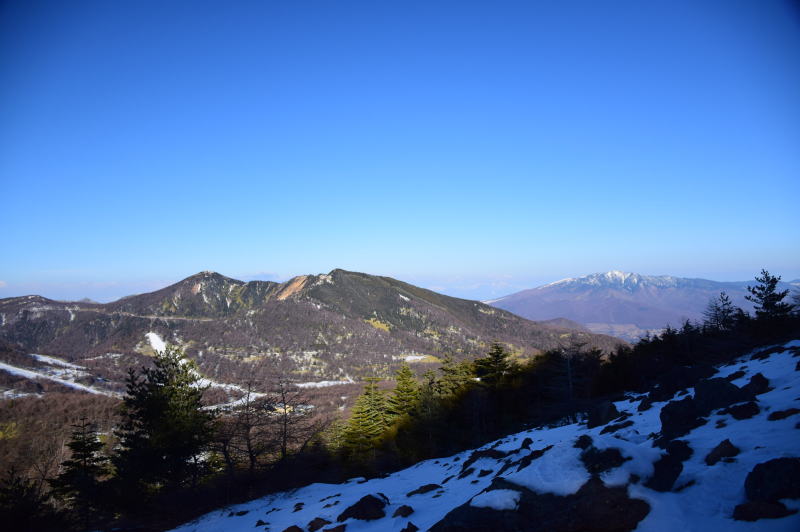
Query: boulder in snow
(369, 507)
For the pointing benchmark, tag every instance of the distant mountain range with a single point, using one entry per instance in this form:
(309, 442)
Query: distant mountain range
(626, 305)
(336, 326)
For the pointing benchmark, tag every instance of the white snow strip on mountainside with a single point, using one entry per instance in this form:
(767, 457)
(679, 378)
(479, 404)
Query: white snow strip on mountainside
(706, 503)
(56, 361)
(156, 342)
(34, 374)
(323, 384)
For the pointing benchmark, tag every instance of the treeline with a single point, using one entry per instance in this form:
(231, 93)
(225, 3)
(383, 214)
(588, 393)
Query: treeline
(171, 457)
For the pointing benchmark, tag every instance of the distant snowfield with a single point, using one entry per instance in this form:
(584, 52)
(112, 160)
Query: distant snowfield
(59, 371)
(323, 384)
(706, 503)
(156, 342)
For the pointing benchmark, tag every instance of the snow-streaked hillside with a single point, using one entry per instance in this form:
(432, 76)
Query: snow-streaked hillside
(503, 485)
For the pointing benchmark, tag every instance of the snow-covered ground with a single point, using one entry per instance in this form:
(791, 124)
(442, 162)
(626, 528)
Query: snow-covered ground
(55, 370)
(703, 499)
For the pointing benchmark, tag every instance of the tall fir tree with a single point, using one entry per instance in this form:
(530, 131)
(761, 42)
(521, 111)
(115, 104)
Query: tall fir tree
(455, 376)
(767, 298)
(79, 484)
(164, 430)
(492, 368)
(721, 313)
(405, 395)
(368, 420)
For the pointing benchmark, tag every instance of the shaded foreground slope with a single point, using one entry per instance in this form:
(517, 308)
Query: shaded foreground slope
(710, 457)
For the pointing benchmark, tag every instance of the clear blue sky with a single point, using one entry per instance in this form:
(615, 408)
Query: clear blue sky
(474, 147)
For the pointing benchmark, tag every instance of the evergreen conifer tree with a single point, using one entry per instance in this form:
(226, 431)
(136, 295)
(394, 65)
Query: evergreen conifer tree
(368, 420)
(406, 393)
(720, 313)
(493, 367)
(165, 429)
(455, 376)
(767, 298)
(79, 485)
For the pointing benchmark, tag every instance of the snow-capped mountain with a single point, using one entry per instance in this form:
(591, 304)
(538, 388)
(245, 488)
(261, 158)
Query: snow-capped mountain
(624, 304)
(721, 455)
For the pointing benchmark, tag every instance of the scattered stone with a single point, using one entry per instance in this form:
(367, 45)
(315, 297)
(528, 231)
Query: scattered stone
(494, 454)
(724, 450)
(765, 353)
(668, 468)
(243, 512)
(466, 473)
(331, 504)
(776, 479)
(595, 507)
(298, 506)
(369, 507)
(403, 511)
(755, 510)
(484, 472)
(711, 394)
(410, 527)
(424, 489)
(526, 444)
(616, 426)
(645, 404)
(584, 442)
(317, 523)
(596, 461)
(525, 461)
(783, 414)
(679, 417)
(601, 413)
(448, 479)
(735, 375)
(721, 424)
(261, 523)
(758, 384)
(293, 528)
(742, 411)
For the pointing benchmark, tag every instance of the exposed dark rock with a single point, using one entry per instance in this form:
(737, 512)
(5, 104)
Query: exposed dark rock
(317, 523)
(755, 510)
(410, 527)
(776, 479)
(423, 489)
(466, 473)
(293, 528)
(243, 512)
(484, 472)
(583, 442)
(298, 506)
(616, 426)
(678, 378)
(601, 414)
(526, 460)
(596, 461)
(783, 414)
(369, 507)
(724, 450)
(742, 411)
(526, 444)
(645, 404)
(594, 508)
(403, 511)
(735, 375)
(668, 468)
(494, 454)
(758, 384)
(679, 417)
(261, 523)
(711, 394)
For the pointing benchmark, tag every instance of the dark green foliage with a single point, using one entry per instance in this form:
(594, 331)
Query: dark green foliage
(78, 486)
(164, 430)
(24, 506)
(493, 368)
(721, 313)
(766, 297)
(455, 376)
(368, 420)
(405, 396)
